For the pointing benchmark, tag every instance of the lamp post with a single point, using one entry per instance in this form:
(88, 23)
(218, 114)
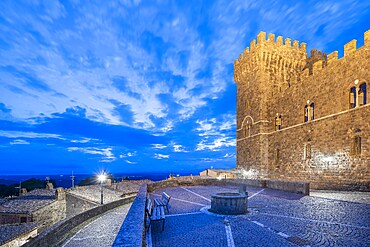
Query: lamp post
(101, 178)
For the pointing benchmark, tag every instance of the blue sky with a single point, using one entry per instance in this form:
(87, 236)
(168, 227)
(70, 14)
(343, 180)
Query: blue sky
(139, 86)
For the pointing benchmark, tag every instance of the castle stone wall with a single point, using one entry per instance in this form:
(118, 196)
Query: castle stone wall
(276, 79)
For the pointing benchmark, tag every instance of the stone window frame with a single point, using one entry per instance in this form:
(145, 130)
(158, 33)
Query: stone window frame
(247, 124)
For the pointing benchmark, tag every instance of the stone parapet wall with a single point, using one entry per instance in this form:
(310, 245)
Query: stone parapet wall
(56, 234)
(290, 186)
(132, 231)
(77, 204)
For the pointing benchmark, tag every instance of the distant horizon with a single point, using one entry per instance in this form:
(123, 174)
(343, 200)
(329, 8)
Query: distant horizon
(193, 172)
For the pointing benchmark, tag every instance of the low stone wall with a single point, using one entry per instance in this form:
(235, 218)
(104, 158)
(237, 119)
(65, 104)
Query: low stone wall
(132, 232)
(58, 233)
(360, 186)
(77, 204)
(296, 187)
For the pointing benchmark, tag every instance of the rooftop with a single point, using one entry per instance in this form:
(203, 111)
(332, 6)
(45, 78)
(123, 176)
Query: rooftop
(8, 232)
(31, 202)
(92, 192)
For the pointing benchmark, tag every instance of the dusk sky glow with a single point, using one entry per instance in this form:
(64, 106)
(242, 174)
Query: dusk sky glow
(139, 86)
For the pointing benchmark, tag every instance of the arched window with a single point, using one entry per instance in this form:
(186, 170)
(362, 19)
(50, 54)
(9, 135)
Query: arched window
(306, 113)
(278, 122)
(352, 97)
(309, 111)
(362, 94)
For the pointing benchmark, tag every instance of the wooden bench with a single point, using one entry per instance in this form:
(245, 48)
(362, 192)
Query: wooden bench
(163, 201)
(154, 213)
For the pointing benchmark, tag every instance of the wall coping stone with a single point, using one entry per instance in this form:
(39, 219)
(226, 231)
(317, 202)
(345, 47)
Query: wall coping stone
(132, 231)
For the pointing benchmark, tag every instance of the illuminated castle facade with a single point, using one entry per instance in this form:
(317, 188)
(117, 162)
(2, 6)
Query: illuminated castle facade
(304, 118)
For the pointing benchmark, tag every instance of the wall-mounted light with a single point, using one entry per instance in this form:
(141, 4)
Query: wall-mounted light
(328, 159)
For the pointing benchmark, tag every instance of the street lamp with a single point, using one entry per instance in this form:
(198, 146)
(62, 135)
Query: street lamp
(101, 178)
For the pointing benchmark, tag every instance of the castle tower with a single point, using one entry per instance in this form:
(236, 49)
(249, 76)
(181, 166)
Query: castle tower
(263, 72)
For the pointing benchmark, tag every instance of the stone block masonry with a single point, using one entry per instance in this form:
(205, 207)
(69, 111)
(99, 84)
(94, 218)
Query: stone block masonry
(304, 118)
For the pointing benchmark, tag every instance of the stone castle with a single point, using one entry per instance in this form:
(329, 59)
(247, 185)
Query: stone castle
(303, 117)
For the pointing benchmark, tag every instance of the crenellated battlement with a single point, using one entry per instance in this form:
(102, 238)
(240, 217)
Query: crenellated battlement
(348, 49)
(316, 62)
(283, 55)
(261, 39)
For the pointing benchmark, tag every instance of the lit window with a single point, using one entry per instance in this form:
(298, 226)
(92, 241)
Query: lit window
(312, 109)
(309, 111)
(278, 122)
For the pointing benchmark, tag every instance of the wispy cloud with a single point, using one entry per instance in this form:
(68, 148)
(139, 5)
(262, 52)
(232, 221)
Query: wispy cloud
(19, 142)
(107, 154)
(159, 146)
(161, 156)
(129, 154)
(216, 144)
(24, 134)
(84, 140)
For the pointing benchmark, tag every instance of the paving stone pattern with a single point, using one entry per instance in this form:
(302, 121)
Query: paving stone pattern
(277, 218)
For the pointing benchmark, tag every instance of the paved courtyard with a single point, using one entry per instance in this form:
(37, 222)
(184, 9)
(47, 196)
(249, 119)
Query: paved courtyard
(276, 218)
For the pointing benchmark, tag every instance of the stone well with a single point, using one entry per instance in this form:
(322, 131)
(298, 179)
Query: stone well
(229, 203)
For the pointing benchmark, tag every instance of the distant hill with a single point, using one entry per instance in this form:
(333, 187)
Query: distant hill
(7, 182)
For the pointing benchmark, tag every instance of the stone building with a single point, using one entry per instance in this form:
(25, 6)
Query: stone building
(42, 207)
(218, 173)
(303, 117)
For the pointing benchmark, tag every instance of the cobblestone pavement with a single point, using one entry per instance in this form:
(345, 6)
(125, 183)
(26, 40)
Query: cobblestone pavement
(276, 218)
(100, 232)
